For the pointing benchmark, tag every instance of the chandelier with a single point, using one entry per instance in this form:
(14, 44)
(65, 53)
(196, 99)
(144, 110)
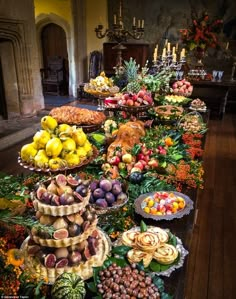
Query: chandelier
(118, 33)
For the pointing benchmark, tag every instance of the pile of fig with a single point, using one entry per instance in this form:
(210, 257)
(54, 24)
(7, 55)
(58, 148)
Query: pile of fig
(126, 282)
(63, 190)
(65, 256)
(107, 193)
(64, 226)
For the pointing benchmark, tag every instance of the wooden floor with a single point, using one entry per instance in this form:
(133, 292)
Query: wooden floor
(212, 254)
(212, 260)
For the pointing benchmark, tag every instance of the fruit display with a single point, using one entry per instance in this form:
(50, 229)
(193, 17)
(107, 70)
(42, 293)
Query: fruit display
(198, 105)
(163, 205)
(193, 123)
(182, 87)
(56, 147)
(66, 238)
(107, 195)
(68, 286)
(101, 85)
(141, 98)
(176, 100)
(129, 280)
(112, 101)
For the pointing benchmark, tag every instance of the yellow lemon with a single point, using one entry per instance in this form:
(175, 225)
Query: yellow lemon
(48, 123)
(53, 147)
(147, 210)
(41, 138)
(41, 159)
(69, 145)
(81, 152)
(79, 137)
(72, 159)
(64, 130)
(88, 148)
(56, 163)
(28, 152)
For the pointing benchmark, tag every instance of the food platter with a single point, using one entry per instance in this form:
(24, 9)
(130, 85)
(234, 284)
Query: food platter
(86, 161)
(135, 109)
(154, 267)
(140, 201)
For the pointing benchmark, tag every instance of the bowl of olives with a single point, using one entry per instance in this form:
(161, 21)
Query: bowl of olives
(107, 195)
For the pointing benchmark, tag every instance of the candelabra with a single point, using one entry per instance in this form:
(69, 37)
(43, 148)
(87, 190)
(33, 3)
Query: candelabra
(169, 63)
(118, 33)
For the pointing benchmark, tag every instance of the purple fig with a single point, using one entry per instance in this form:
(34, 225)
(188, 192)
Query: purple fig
(105, 185)
(101, 202)
(110, 198)
(94, 185)
(116, 189)
(75, 257)
(74, 230)
(98, 193)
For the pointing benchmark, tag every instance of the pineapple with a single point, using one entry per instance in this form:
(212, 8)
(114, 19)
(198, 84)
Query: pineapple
(131, 72)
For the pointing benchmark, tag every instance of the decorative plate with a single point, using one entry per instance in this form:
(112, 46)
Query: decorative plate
(31, 167)
(135, 109)
(141, 204)
(108, 210)
(164, 270)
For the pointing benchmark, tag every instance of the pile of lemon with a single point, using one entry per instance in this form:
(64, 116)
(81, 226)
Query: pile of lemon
(56, 146)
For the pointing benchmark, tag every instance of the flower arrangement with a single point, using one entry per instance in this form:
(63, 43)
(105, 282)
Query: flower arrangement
(202, 33)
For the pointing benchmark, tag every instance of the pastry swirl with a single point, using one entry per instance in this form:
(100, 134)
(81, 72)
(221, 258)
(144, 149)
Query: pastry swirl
(128, 238)
(165, 254)
(161, 233)
(147, 241)
(136, 256)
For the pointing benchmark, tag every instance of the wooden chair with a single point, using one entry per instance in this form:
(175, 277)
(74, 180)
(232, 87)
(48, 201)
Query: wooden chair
(53, 77)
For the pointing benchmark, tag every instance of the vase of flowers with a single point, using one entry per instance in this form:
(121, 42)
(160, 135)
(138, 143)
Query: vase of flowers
(201, 35)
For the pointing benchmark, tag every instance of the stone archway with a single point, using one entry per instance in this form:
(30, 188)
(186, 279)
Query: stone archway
(17, 68)
(44, 19)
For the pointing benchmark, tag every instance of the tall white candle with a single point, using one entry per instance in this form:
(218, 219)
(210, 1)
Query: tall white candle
(227, 46)
(176, 47)
(174, 57)
(134, 21)
(139, 23)
(142, 24)
(168, 47)
(173, 50)
(115, 19)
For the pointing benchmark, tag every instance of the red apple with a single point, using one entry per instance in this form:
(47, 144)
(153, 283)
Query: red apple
(139, 165)
(115, 160)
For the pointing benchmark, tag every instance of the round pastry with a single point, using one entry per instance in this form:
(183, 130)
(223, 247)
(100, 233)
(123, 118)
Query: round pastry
(136, 256)
(128, 238)
(161, 233)
(168, 111)
(147, 241)
(166, 254)
(198, 104)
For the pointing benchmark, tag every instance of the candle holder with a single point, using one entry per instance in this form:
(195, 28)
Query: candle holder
(118, 33)
(168, 63)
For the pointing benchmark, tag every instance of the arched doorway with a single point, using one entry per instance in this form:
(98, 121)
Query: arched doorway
(54, 44)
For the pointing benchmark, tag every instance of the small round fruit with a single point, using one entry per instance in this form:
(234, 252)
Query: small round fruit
(98, 193)
(101, 202)
(105, 185)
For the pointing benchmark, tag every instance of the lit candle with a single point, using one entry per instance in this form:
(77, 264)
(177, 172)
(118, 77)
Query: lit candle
(168, 47)
(142, 24)
(173, 50)
(164, 53)
(155, 54)
(115, 19)
(176, 47)
(134, 21)
(227, 46)
(139, 23)
(183, 51)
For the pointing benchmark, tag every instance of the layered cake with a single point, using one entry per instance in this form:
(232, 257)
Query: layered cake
(66, 238)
